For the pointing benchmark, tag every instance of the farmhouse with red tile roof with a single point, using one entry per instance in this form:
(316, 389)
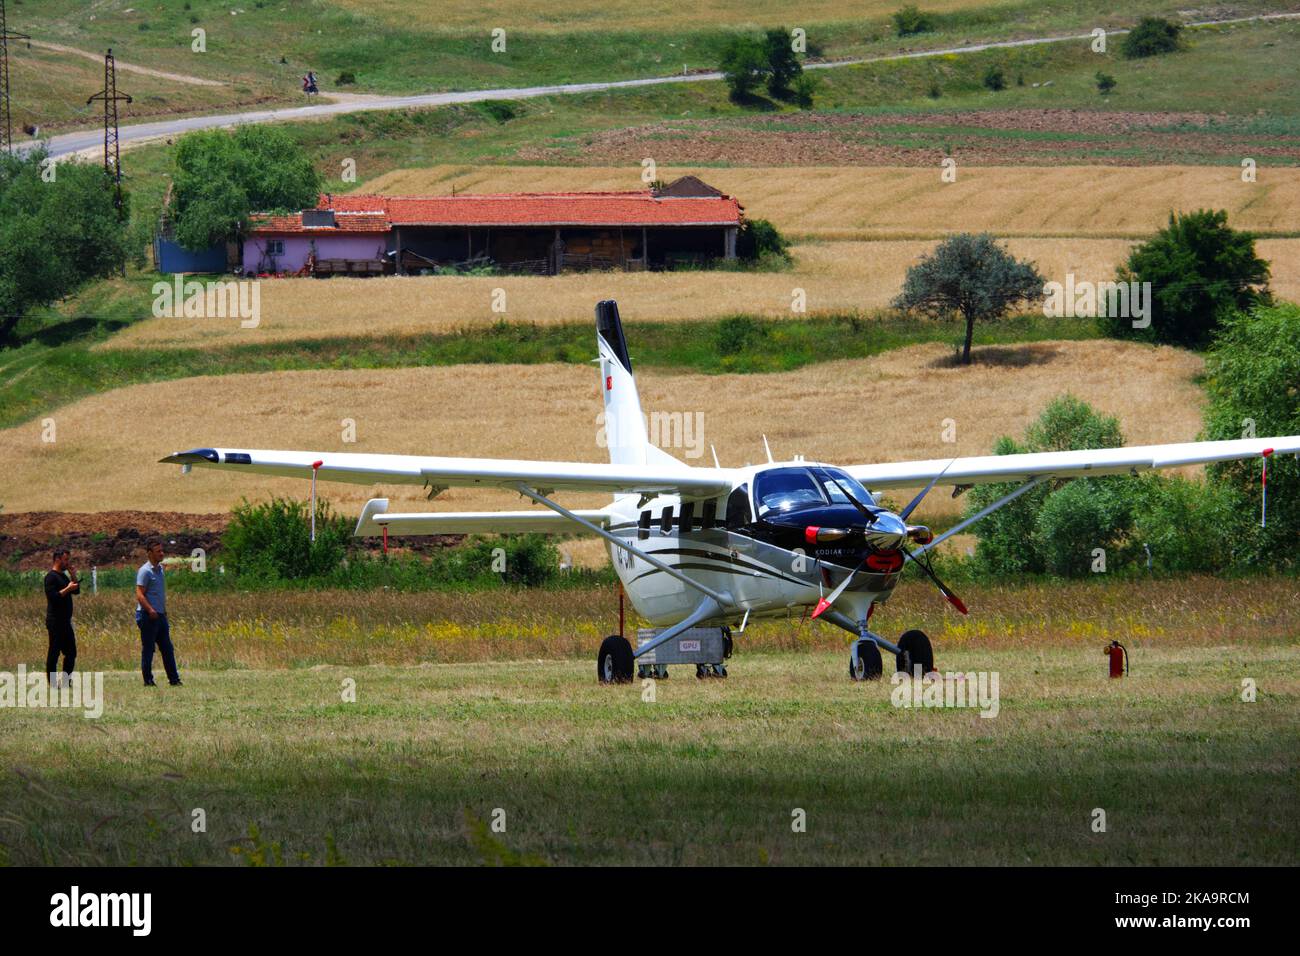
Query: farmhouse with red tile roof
(687, 221)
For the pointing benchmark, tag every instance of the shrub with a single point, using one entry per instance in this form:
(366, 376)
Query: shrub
(1151, 37)
(1028, 536)
(1200, 270)
(737, 333)
(909, 20)
(994, 78)
(758, 238)
(1105, 83)
(1189, 525)
(346, 78)
(805, 89)
(1075, 520)
(271, 541)
(502, 111)
(529, 560)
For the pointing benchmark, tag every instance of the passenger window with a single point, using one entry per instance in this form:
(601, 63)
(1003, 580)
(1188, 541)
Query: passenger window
(643, 526)
(666, 521)
(688, 516)
(738, 513)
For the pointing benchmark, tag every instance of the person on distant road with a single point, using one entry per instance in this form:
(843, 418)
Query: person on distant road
(60, 584)
(151, 616)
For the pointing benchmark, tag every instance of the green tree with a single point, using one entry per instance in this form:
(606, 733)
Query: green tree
(972, 276)
(783, 66)
(1200, 270)
(1253, 381)
(59, 229)
(1151, 37)
(219, 178)
(744, 66)
(994, 78)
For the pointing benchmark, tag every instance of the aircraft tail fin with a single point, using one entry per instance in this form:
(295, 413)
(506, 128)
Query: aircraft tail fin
(624, 424)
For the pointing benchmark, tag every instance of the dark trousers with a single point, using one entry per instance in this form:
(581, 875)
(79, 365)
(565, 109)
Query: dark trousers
(62, 641)
(156, 631)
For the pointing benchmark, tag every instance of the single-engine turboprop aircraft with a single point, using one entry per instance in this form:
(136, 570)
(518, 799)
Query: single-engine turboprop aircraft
(717, 546)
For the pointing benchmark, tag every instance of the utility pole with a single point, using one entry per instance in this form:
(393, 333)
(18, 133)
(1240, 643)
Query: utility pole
(6, 128)
(110, 97)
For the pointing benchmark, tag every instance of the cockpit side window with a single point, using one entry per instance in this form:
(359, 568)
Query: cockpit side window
(738, 513)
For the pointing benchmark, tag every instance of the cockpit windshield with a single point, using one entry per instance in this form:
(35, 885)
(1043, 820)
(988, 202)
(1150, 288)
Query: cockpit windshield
(785, 490)
(839, 484)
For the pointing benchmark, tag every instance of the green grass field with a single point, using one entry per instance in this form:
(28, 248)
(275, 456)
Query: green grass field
(709, 772)
(466, 704)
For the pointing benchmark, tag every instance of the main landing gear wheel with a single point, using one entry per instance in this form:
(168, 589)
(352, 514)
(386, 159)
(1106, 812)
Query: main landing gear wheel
(915, 649)
(614, 662)
(868, 665)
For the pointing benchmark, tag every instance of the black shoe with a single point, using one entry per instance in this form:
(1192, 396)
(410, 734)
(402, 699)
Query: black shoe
(150, 683)
(176, 683)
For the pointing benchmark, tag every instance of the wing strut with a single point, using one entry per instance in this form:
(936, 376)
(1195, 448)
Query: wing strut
(721, 598)
(1004, 500)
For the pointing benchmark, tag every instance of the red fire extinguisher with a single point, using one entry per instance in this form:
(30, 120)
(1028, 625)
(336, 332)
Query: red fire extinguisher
(1118, 655)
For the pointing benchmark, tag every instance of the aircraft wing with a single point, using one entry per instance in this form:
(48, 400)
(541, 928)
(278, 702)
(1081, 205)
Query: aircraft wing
(463, 472)
(375, 518)
(1067, 464)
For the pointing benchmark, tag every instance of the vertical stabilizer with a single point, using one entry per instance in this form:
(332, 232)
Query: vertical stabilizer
(624, 425)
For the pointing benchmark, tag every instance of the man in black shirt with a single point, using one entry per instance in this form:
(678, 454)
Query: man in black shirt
(60, 584)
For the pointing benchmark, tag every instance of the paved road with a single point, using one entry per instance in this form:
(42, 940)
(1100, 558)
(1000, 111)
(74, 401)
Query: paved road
(92, 140)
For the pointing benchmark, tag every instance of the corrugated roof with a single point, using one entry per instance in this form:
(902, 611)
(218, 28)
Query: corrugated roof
(630, 209)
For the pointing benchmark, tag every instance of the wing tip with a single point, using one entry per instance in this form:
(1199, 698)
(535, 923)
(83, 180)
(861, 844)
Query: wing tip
(194, 456)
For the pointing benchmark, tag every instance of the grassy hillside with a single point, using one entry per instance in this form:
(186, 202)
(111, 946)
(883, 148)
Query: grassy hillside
(399, 46)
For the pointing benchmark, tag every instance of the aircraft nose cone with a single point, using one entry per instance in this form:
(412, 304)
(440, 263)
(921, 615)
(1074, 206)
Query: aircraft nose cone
(888, 530)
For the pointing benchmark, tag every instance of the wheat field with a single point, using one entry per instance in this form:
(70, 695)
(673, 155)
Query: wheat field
(889, 407)
(891, 202)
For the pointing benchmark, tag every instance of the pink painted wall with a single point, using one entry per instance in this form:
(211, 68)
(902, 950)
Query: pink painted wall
(297, 248)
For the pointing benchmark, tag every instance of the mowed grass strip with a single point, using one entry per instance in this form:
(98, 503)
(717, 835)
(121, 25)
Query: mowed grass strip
(834, 278)
(889, 407)
(707, 773)
(844, 202)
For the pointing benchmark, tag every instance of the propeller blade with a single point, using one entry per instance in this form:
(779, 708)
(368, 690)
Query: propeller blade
(826, 602)
(862, 509)
(924, 491)
(947, 592)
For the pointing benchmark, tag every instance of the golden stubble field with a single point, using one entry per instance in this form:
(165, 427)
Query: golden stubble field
(889, 407)
(897, 202)
(837, 277)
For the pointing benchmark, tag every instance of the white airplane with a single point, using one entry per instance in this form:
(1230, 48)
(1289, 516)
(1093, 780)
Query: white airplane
(719, 546)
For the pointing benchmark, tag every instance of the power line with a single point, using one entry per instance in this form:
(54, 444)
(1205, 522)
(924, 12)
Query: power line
(112, 155)
(6, 128)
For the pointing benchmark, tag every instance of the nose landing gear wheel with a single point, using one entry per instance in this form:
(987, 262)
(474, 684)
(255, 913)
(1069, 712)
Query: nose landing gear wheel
(916, 650)
(614, 662)
(868, 664)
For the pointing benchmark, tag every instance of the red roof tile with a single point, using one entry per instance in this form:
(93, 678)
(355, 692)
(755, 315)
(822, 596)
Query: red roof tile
(631, 209)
